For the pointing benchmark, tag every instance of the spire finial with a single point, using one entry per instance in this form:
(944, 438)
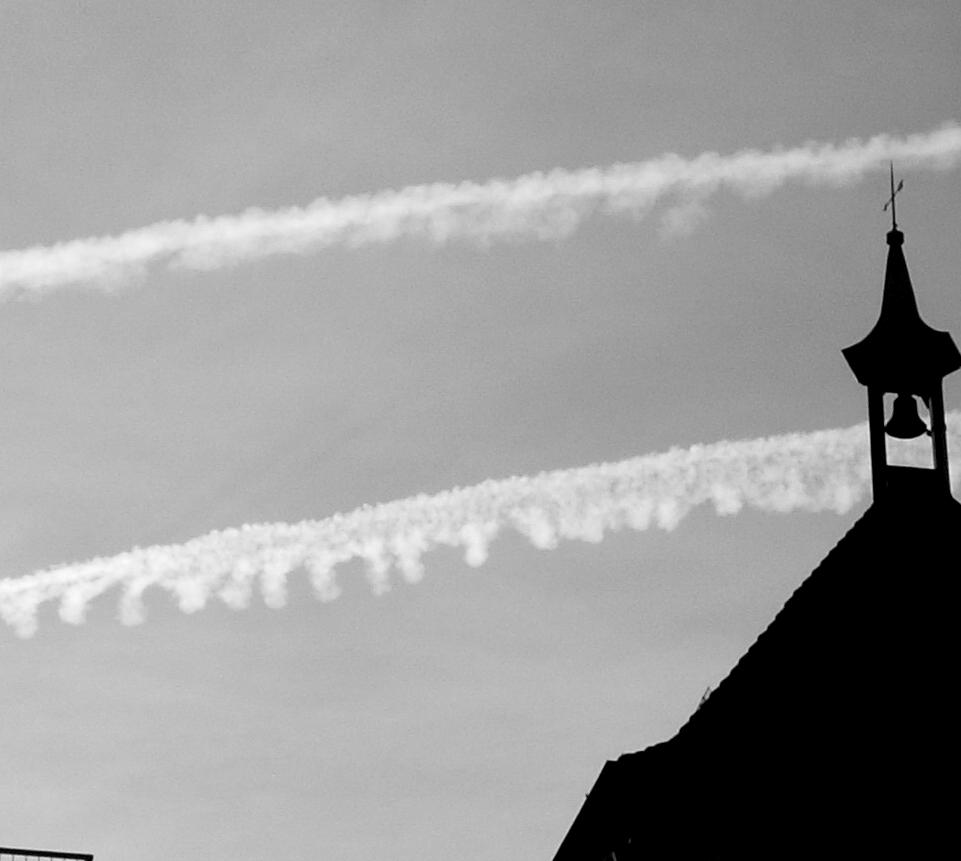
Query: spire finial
(890, 201)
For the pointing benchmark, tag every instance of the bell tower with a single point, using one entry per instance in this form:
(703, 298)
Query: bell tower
(902, 355)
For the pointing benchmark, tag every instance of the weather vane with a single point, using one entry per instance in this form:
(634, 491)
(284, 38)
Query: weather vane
(890, 201)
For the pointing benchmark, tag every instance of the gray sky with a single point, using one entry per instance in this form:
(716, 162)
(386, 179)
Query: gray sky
(475, 708)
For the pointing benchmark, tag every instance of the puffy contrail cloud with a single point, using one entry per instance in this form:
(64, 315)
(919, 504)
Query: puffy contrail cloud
(822, 471)
(542, 205)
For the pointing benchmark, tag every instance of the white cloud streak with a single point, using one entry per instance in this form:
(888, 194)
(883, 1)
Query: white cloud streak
(539, 206)
(821, 471)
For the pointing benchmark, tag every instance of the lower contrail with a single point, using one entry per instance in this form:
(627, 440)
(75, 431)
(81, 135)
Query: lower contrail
(821, 471)
(542, 205)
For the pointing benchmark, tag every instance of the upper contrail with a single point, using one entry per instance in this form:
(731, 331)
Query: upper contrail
(542, 205)
(825, 470)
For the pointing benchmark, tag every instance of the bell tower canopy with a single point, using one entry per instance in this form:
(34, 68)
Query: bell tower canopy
(901, 353)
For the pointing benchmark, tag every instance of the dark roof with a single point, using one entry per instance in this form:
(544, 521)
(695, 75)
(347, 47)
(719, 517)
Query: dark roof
(901, 353)
(835, 720)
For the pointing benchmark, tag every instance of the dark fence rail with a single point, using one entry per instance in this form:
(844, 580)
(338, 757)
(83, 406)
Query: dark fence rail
(39, 853)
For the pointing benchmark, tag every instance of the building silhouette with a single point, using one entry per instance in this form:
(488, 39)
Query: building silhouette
(8, 853)
(833, 736)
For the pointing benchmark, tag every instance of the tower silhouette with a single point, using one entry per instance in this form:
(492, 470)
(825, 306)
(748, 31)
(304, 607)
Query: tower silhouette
(832, 735)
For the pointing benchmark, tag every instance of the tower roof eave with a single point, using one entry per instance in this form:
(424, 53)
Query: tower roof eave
(909, 359)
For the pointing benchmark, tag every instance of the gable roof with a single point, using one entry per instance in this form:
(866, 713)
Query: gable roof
(830, 707)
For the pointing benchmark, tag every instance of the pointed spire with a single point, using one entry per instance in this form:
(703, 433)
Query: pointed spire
(897, 300)
(901, 352)
(899, 306)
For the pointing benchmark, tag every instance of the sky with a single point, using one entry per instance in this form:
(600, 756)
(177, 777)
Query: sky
(470, 712)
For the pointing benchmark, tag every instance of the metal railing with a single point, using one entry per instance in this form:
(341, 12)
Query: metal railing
(6, 851)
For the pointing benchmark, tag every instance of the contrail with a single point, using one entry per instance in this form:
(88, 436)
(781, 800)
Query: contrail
(821, 471)
(542, 205)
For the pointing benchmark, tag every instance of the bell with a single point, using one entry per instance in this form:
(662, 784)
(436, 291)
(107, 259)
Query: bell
(905, 422)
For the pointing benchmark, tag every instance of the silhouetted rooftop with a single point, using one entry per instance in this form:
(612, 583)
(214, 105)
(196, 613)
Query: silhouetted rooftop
(833, 730)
